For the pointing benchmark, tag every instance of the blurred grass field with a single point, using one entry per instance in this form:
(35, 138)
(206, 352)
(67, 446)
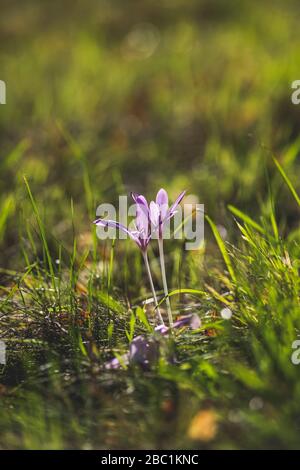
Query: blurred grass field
(108, 97)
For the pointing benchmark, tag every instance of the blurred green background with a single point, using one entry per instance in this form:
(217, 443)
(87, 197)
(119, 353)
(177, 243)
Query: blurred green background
(132, 95)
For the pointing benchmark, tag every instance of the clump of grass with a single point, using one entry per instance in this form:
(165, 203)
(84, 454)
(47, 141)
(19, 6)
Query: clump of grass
(59, 339)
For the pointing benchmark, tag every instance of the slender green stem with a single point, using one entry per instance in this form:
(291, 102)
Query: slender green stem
(145, 256)
(164, 279)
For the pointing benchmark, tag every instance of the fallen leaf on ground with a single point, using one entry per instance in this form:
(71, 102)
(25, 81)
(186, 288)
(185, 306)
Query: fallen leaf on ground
(203, 426)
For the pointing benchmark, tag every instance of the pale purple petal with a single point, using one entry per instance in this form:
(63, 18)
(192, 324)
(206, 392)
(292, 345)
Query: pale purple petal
(184, 321)
(142, 214)
(163, 201)
(171, 211)
(115, 363)
(140, 199)
(143, 351)
(154, 213)
(142, 221)
(112, 223)
(119, 226)
(193, 321)
(134, 196)
(162, 329)
(162, 198)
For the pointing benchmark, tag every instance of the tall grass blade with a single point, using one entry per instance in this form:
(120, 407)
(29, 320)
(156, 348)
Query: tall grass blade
(245, 218)
(42, 233)
(222, 248)
(287, 181)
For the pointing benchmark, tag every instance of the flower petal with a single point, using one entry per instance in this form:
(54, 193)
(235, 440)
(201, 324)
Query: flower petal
(134, 196)
(175, 204)
(115, 363)
(193, 321)
(154, 213)
(142, 221)
(112, 223)
(162, 329)
(140, 199)
(162, 197)
(143, 351)
(142, 214)
(119, 226)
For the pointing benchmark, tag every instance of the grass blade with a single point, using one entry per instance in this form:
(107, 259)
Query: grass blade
(42, 233)
(287, 181)
(222, 248)
(245, 218)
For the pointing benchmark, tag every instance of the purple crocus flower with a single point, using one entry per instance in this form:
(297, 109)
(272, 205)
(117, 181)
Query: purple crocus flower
(159, 213)
(144, 350)
(141, 235)
(116, 363)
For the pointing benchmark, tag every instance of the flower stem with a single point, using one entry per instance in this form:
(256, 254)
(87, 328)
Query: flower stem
(145, 256)
(164, 279)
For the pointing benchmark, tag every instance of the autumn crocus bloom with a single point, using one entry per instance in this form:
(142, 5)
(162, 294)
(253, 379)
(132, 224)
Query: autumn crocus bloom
(144, 350)
(159, 213)
(141, 235)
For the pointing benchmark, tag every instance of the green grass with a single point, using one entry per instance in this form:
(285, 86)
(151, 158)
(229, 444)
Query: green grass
(190, 97)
